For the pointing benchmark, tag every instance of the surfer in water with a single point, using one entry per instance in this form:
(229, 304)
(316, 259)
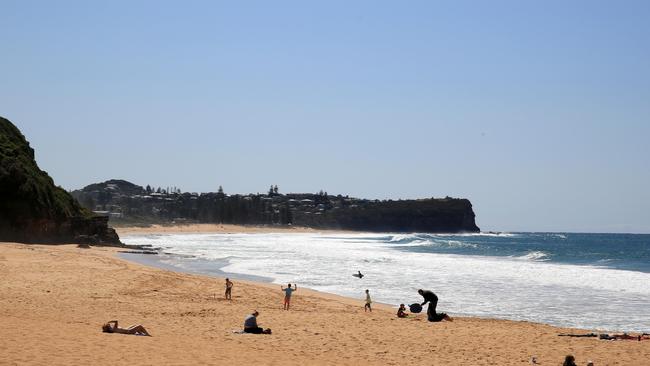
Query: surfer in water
(360, 275)
(432, 299)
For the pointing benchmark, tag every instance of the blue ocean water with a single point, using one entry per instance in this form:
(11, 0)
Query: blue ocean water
(620, 251)
(588, 281)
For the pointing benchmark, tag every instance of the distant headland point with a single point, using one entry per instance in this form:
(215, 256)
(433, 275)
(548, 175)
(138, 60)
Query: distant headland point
(127, 203)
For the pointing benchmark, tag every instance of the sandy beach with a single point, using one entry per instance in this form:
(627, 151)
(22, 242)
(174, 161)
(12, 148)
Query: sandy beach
(54, 299)
(213, 228)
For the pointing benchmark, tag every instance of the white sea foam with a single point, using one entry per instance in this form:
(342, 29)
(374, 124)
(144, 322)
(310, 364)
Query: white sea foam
(524, 288)
(534, 256)
(494, 234)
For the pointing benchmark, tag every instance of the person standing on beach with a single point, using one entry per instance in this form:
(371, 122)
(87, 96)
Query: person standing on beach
(287, 295)
(432, 299)
(367, 307)
(229, 285)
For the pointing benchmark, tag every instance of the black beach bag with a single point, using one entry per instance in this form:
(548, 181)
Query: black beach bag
(415, 308)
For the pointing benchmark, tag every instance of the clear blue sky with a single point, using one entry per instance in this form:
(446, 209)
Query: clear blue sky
(537, 111)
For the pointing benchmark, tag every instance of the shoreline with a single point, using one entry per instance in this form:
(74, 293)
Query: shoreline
(221, 229)
(196, 263)
(154, 261)
(55, 298)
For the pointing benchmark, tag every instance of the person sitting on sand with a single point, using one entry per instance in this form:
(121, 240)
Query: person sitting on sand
(432, 299)
(250, 325)
(112, 327)
(287, 295)
(569, 360)
(401, 312)
(367, 307)
(229, 285)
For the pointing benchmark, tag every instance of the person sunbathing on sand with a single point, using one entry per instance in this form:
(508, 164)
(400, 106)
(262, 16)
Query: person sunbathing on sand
(112, 327)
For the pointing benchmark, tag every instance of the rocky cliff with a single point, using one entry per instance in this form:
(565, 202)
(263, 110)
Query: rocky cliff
(32, 208)
(128, 203)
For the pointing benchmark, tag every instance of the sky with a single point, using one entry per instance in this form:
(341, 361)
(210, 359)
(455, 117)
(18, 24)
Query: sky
(536, 111)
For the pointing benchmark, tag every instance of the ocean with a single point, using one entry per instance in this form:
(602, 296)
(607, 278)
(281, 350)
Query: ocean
(588, 281)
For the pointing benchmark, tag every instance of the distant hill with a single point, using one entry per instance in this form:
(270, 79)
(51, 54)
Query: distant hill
(32, 208)
(128, 203)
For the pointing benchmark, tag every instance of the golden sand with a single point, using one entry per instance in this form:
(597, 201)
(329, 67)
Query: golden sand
(54, 299)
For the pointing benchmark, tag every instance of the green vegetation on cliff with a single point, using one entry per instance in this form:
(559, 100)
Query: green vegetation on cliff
(32, 208)
(26, 190)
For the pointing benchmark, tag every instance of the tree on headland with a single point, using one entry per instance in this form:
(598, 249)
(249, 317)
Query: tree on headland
(275, 189)
(220, 193)
(148, 189)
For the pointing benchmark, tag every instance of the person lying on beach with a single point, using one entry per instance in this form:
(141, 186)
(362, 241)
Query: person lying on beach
(624, 336)
(287, 295)
(432, 299)
(112, 327)
(229, 285)
(250, 325)
(401, 312)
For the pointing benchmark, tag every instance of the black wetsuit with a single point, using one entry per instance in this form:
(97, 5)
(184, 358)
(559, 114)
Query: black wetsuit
(432, 299)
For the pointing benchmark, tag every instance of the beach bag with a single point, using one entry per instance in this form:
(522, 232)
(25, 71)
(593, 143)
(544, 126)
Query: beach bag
(415, 308)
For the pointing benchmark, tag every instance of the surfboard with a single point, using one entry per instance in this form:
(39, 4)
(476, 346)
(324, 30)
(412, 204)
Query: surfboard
(357, 275)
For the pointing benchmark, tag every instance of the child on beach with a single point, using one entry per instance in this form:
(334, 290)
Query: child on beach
(287, 295)
(229, 285)
(367, 307)
(401, 312)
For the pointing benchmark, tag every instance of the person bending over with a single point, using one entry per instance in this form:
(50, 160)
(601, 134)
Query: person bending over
(432, 299)
(250, 325)
(112, 327)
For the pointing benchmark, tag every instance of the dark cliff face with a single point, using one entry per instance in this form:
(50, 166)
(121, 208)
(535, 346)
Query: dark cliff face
(130, 203)
(32, 208)
(449, 215)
